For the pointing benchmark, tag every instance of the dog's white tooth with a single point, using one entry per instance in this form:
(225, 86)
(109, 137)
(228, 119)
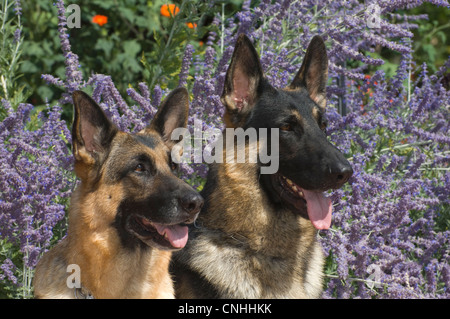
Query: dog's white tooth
(300, 193)
(289, 182)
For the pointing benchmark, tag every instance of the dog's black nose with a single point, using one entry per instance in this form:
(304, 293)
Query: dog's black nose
(191, 203)
(341, 172)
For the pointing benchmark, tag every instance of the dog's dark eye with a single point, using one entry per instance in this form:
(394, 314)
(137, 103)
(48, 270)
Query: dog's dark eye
(286, 127)
(173, 166)
(139, 168)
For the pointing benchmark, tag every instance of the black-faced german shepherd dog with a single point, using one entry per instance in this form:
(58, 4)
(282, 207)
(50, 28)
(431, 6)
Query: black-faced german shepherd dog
(129, 212)
(256, 234)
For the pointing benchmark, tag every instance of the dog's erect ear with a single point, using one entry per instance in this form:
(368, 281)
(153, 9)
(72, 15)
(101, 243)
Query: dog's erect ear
(242, 81)
(173, 113)
(313, 74)
(92, 132)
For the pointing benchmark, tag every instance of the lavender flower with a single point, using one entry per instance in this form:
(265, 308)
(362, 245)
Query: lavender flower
(186, 63)
(385, 191)
(34, 180)
(17, 8)
(74, 77)
(17, 35)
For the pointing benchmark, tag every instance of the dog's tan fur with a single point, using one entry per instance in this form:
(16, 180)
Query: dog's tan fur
(108, 270)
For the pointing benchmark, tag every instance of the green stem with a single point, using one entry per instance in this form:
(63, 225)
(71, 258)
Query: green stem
(398, 147)
(169, 40)
(4, 17)
(223, 28)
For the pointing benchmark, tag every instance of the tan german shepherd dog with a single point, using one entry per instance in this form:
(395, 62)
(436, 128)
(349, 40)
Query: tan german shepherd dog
(129, 212)
(256, 234)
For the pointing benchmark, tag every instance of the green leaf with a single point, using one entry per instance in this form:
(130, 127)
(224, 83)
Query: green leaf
(104, 45)
(131, 47)
(28, 67)
(128, 14)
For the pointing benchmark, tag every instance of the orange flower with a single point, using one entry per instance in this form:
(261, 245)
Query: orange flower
(100, 19)
(169, 10)
(191, 25)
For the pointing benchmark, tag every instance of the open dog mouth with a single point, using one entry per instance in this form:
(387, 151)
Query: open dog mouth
(168, 237)
(312, 205)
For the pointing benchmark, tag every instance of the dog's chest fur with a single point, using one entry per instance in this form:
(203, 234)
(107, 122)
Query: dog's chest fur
(245, 248)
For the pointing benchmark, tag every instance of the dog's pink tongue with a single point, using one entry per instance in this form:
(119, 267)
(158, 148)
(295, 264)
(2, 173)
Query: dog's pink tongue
(319, 209)
(177, 235)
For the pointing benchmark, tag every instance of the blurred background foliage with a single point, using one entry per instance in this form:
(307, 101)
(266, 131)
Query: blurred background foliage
(432, 38)
(139, 44)
(136, 44)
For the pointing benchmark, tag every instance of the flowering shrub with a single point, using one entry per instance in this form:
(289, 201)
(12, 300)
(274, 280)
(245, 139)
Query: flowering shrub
(389, 236)
(35, 180)
(391, 222)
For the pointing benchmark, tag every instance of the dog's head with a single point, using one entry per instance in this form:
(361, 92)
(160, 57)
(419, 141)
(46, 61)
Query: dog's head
(129, 179)
(308, 163)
